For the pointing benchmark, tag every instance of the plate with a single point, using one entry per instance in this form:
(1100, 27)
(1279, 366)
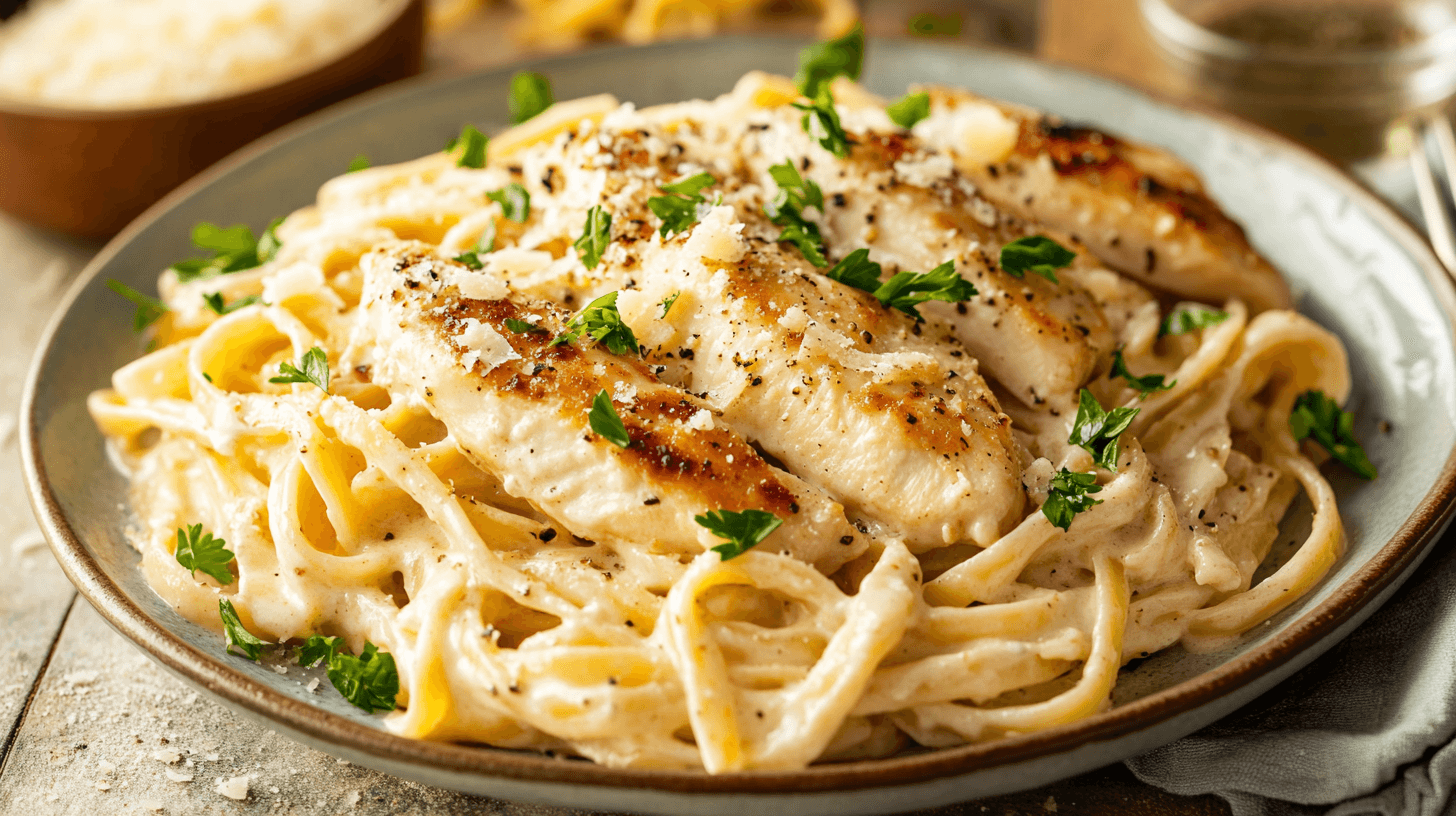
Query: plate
(1356, 266)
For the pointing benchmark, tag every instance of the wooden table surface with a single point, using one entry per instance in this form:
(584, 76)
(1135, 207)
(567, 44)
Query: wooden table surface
(88, 724)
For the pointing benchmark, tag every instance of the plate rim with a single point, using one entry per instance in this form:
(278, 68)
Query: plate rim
(322, 727)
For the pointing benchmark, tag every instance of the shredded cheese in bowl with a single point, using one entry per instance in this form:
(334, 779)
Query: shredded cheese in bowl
(141, 53)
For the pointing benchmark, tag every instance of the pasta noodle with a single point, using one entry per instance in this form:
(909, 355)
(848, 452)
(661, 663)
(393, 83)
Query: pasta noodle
(505, 556)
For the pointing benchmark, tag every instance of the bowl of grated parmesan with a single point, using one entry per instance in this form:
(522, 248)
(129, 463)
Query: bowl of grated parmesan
(105, 106)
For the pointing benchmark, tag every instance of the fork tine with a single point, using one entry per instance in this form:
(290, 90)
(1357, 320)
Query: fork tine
(1428, 186)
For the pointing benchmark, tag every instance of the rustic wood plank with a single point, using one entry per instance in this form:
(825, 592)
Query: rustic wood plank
(35, 267)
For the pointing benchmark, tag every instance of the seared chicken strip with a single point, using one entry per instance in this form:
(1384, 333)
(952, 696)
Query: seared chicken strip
(519, 406)
(1140, 209)
(914, 211)
(888, 418)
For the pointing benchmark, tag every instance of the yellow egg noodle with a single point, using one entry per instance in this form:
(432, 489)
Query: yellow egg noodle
(568, 23)
(542, 588)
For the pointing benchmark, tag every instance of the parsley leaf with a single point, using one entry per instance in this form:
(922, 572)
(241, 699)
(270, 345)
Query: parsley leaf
(149, 309)
(1035, 253)
(787, 211)
(1068, 496)
(359, 162)
(470, 260)
(1096, 430)
(596, 236)
(667, 305)
(934, 25)
(215, 302)
(318, 649)
(238, 637)
(821, 121)
(605, 421)
(601, 321)
(742, 531)
(469, 148)
(909, 109)
(857, 270)
(233, 250)
(197, 550)
(486, 242)
(515, 202)
(794, 191)
(1190, 318)
(907, 289)
(530, 94)
(1317, 416)
(1150, 384)
(369, 681)
(522, 327)
(823, 61)
(691, 186)
(681, 209)
(269, 244)
(313, 368)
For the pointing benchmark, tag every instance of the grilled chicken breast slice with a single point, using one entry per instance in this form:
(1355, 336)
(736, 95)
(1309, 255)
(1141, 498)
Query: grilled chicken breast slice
(853, 397)
(909, 205)
(519, 406)
(1140, 209)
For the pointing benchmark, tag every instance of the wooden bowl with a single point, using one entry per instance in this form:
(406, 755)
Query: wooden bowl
(91, 171)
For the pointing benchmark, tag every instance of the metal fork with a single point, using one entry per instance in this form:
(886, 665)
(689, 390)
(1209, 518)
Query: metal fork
(1429, 185)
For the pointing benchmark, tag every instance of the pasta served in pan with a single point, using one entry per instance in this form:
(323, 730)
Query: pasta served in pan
(787, 427)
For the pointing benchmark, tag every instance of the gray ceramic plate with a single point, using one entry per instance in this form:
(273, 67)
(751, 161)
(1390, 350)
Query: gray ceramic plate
(1363, 272)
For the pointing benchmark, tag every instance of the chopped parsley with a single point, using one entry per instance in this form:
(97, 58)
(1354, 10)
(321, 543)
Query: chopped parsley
(1035, 253)
(1191, 318)
(683, 207)
(1149, 384)
(317, 649)
(596, 236)
(742, 531)
(530, 94)
(369, 681)
(1068, 495)
(216, 303)
(601, 321)
(197, 550)
(469, 260)
(522, 327)
(313, 368)
(857, 270)
(605, 421)
(1316, 416)
(907, 289)
(909, 109)
(935, 25)
(667, 305)
(1096, 431)
(469, 148)
(149, 309)
(818, 64)
(486, 242)
(233, 250)
(359, 162)
(787, 211)
(821, 121)
(823, 61)
(515, 202)
(238, 637)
